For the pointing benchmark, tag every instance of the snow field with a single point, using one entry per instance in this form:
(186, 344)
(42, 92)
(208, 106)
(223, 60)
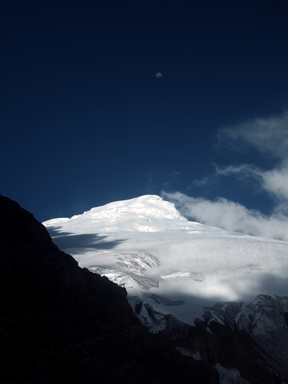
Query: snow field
(145, 245)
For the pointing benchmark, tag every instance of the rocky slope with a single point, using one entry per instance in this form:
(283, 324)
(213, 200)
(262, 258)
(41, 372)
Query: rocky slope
(176, 271)
(264, 319)
(61, 323)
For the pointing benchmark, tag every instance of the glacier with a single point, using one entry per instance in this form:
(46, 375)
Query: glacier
(146, 246)
(179, 273)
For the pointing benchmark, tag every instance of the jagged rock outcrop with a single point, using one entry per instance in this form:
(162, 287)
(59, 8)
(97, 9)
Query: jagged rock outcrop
(156, 321)
(246, 343)
(251, 337)
(60, 323)
(218, 344)
(265, 320)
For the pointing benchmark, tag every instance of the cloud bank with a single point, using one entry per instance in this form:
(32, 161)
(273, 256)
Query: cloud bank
(269, 137)
(230, 215)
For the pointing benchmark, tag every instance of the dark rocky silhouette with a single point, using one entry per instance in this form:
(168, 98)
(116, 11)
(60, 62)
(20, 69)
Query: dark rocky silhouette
(63, 324)
(218, 343)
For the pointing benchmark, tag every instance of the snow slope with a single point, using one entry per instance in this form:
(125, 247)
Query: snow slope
(175, 265)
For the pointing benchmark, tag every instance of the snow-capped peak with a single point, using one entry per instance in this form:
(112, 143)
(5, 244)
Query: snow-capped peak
(145, 245)
(148, 206)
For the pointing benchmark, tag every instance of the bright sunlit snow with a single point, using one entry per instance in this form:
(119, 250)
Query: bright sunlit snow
(145, 245)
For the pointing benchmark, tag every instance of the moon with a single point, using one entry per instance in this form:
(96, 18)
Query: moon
(158, 75)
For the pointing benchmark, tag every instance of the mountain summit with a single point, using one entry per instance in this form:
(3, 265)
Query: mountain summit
(146, 246)
(180, 273)
(60, 322)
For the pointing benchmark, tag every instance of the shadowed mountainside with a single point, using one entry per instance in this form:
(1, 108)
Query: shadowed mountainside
(60, 323)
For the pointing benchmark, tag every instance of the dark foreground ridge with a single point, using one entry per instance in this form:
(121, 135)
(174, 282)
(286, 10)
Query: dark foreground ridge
(63, 324)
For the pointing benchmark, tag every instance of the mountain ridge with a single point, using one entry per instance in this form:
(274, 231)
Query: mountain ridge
(163, 253)
(180, 273)
(60, 323)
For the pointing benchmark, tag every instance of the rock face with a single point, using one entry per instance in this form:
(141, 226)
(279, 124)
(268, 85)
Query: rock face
(245, 343)
(156, 321)
(265, 320)
(252, 338)
(60, 323)
(235, 351)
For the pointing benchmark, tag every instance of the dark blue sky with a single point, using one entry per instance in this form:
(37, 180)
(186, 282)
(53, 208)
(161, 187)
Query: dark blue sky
(84, 120)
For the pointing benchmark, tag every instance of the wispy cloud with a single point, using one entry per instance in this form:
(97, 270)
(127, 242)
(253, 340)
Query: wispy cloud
(273, 181)
(276, 181)
(200, 182)
(270, 137)
(230, 215)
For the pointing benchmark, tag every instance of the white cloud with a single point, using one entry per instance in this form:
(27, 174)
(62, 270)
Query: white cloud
(200, 182)
(276, 181)
(269, 136)
(230, 216)
(243, 172)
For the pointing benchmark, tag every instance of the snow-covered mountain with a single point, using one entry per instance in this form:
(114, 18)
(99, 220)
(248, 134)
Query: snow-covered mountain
(176, 271)
(145, 245)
